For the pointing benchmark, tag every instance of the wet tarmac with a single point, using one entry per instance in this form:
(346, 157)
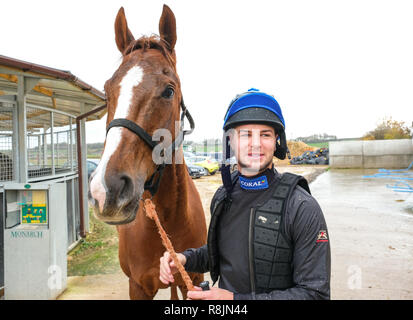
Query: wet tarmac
(371, 235)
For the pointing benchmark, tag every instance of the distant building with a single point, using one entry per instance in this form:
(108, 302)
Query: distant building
(317, 138)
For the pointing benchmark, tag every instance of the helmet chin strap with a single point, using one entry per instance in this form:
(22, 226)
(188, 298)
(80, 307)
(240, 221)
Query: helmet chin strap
(281, 149)
(226, 165)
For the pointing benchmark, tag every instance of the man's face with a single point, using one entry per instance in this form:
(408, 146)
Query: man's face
(254, 146)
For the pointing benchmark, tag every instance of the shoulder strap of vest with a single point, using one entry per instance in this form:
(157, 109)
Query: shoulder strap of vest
(286, 186)
(234, 176)
(303, 183)
(222, 191)
(283, 190)
(234, 179)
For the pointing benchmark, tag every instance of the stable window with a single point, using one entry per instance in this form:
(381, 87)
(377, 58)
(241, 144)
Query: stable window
(51, 142)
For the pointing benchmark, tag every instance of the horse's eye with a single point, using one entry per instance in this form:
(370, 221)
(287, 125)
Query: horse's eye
(168, 93)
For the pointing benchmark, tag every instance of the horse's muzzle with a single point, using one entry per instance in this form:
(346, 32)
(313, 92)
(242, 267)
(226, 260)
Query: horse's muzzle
(115, 201)
(115, 216)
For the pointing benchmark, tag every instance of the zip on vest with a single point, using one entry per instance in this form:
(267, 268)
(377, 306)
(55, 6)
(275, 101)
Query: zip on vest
(250, 251)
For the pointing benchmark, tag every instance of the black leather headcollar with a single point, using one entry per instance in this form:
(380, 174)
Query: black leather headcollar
(153, 183)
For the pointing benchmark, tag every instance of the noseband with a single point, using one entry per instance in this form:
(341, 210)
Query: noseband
(153, 183)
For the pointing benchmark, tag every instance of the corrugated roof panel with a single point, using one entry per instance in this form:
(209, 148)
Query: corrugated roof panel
(56, 88)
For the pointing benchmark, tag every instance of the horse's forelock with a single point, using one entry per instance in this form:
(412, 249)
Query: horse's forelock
(153, 42)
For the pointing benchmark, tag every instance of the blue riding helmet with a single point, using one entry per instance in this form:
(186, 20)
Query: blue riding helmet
(254, 106)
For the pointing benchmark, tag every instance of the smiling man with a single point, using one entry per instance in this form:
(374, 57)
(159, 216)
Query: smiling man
(253, 145)
(267, 237)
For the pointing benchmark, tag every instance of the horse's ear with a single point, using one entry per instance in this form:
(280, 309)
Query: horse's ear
(123, 35)
(167, 27)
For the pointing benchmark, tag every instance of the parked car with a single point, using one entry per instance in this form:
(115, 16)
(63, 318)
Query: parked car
(92, 164)
(233, 163)
(190, 162)
(201, 154)
(211, 165)
(216, 155)
(188, 154)
(195, 171)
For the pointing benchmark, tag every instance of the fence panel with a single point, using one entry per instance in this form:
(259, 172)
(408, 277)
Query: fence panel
(6, 142)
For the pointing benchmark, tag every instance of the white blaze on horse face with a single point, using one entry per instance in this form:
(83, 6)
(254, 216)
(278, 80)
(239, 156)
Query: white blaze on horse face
(97, 186)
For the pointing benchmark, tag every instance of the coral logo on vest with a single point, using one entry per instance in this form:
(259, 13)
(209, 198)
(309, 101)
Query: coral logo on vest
(253, 184)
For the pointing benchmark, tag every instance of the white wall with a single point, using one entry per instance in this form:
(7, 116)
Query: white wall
(371, 153)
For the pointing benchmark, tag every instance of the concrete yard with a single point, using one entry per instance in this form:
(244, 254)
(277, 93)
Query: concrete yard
(370, 230)
(371, 235)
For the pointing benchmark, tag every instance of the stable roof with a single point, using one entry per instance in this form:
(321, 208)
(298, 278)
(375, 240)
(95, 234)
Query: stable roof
(53, 88)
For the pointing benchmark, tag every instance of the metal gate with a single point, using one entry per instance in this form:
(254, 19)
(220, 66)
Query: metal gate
(6, 141)
(6, 170)
(51, 155)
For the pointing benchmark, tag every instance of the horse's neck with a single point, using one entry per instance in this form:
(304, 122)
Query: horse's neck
(172, 196)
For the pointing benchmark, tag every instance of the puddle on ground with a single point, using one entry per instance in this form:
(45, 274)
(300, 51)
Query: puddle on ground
(409, 209)
(349, 188)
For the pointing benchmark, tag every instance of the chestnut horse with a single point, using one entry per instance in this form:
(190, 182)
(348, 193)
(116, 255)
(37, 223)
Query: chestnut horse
(145, 92)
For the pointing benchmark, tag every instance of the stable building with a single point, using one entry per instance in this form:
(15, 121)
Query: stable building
(43, 174)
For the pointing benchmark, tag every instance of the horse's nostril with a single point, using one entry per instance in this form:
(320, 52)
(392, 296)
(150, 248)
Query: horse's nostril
(126, 188)
(119, 190)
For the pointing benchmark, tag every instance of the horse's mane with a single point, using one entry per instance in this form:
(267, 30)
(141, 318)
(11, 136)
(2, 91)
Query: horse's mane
(152, 42)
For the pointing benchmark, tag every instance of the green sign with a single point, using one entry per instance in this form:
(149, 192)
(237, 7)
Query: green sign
(34, 214)
(33, 207)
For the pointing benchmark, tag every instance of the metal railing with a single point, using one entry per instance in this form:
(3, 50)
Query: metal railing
(6, 142)
(51, 143)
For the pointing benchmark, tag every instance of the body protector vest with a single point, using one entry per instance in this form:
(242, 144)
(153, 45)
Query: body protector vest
(270, 253)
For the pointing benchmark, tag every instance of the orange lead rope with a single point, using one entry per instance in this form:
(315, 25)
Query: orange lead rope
(151, 213)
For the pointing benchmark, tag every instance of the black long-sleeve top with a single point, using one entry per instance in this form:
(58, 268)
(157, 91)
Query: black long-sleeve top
(305, 228)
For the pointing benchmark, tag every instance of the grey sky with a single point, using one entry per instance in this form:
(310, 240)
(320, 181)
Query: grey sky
(334, 66)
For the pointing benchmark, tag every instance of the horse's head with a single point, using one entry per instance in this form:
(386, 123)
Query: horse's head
(145, 89)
